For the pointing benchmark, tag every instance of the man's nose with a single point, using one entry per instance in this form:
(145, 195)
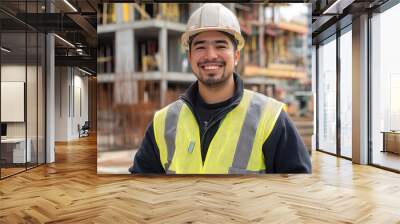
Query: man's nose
(211, 53)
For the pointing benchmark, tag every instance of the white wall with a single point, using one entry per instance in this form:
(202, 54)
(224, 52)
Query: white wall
(71, 87)
(13, 73)
(62, 81)
(80, 94)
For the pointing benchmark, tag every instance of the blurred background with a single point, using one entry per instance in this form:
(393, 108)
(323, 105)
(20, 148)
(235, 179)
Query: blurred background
(142, 67)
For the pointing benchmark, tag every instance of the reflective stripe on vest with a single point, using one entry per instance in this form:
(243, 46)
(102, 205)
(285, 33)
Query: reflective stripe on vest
(235, 148)
(170, 133)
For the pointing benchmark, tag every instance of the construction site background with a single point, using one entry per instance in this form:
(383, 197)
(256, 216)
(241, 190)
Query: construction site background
(142, 67)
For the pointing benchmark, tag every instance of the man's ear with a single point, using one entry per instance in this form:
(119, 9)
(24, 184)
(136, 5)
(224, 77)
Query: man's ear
(237, 57)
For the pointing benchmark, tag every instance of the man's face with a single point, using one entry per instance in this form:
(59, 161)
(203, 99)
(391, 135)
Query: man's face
(213, 58)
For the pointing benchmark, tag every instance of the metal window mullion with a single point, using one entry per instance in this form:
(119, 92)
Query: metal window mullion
(317, 97)
(338, 94)
(26, 87)
(45, 94)
(369, 96)
(69, 100)
(73, 91)
(37, 91)
(0, 98)
(60, 92)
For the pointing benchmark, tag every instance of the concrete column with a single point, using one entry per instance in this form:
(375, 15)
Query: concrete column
(108, 63)
(50, 92)
(50, 99)
(261, 34)
(126, 89)
(162, 50)
(360, 90)
(308, 41)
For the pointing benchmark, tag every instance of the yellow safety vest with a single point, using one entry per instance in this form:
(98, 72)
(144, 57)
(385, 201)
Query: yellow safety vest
(236, 148)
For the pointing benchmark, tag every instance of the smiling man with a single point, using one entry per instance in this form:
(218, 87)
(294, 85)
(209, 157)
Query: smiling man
(216, 126)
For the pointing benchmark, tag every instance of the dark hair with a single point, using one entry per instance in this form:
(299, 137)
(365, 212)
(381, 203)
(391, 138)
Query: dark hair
(231, 37)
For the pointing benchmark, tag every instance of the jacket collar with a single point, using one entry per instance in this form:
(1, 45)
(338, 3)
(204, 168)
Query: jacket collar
(192, 92)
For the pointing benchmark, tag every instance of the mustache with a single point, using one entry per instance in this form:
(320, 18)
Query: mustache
(219, 62)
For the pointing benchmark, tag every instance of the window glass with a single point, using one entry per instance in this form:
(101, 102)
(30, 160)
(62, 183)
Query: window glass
(385, 86)
(327, 97)
(346, 94)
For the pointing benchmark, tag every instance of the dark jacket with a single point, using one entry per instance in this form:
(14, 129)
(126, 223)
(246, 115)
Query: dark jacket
(284, 150)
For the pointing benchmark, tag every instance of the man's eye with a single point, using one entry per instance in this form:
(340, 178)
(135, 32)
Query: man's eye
(199, 48)
(221, 46)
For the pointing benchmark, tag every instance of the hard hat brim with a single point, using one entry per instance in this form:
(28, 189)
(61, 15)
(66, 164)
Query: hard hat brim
(186, 35)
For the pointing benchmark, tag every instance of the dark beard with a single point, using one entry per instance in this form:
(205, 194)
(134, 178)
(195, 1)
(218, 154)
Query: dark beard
(213, 82)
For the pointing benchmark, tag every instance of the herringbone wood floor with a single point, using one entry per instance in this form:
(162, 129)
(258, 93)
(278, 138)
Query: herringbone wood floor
(70, 191)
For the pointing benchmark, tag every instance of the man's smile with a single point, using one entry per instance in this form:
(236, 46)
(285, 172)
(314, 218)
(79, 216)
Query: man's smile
(211, 66)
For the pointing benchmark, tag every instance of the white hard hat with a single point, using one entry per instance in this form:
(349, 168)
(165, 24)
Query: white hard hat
(212, 16)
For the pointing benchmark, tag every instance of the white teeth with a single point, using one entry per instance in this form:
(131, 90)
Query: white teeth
(210, 67)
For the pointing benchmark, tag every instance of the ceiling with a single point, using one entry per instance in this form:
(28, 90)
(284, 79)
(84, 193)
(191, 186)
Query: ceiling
(76, 22)
(73, 20)
(329, 15)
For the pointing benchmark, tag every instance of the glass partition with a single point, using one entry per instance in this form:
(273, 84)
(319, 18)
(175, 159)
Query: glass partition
(327, 96)
(13, 108)
(385, 89)
(346, 93)
(22, 67)
(41, 91)
(31, 99)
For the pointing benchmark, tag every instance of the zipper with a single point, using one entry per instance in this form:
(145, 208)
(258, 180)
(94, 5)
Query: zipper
(209, 124)
(205, 124)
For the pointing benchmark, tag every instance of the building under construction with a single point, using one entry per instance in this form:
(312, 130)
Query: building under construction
(142, 66)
